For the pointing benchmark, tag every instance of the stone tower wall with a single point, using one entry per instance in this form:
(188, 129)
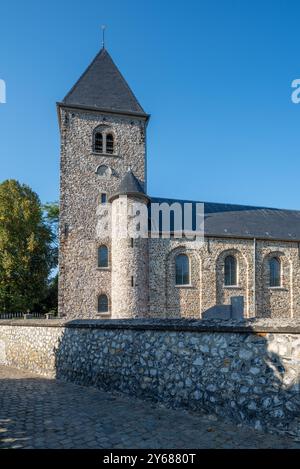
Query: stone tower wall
(80, 280)
(130, 267)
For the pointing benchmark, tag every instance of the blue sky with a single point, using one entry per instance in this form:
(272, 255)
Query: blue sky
(214, 75)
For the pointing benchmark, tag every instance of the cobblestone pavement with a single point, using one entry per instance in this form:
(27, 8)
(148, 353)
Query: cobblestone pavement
(36, 412)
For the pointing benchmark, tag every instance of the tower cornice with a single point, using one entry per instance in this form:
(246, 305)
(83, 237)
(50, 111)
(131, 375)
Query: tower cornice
(75, 107)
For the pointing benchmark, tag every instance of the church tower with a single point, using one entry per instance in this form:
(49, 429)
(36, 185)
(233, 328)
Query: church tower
(103, 133)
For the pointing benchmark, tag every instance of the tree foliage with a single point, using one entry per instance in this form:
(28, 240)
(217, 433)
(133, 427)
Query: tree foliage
(26, 248)
(51, 217)
(48, 303)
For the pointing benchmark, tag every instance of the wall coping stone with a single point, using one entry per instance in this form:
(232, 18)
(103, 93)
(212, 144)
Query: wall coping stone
(250, 325)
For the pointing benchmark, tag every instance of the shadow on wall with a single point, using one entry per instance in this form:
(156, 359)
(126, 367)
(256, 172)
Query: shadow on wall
(245, 376)
(233, 311)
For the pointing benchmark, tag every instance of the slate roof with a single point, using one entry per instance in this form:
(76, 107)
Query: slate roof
(129, 184)
(103, 87)
(228, 220)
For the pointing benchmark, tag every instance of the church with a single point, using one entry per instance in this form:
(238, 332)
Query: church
(247, 264)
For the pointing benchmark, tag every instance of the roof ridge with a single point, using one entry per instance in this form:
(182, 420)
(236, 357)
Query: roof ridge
(227, 203)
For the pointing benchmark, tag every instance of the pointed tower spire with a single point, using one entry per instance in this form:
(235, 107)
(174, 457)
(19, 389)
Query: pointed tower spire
(103, 27)
(103, 87)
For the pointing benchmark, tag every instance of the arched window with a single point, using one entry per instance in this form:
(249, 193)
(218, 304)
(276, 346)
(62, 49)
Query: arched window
(230, 271)
(103, 256)
(109, 143)
(102, 304)
(182, 269)
(98, 142)
(103, 170)
(275, 272)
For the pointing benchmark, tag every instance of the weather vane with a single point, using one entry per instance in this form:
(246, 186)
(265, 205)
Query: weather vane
(103, 27)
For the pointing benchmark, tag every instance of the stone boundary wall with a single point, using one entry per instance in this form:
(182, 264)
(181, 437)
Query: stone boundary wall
(247, 371)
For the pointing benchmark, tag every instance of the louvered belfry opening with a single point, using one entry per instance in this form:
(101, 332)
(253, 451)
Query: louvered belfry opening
(109, 143)
(98, 144)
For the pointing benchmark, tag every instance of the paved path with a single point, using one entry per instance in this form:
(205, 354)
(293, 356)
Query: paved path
(37, 412)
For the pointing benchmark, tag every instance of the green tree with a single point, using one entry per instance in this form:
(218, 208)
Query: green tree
(51, 217)
(50, 300)
(26, 251)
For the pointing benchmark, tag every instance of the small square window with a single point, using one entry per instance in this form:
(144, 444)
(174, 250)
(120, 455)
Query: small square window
(103, 198)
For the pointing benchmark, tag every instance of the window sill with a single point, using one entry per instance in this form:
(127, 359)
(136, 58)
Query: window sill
(103, 268)
(114, 155)
(233, 287)
(278, 288)
(104, 315)
(184, 286)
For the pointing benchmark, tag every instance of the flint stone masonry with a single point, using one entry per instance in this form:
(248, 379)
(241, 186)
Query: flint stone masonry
(80, 281)
(247, 371)
(208, 290)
